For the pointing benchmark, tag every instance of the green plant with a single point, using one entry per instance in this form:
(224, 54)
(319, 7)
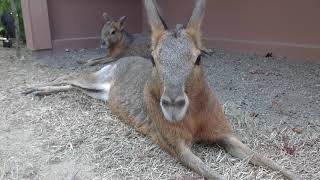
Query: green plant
(5, 5)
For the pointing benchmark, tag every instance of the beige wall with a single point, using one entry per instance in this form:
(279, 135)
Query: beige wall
(36, 24)
(77, 23)
(287, 27)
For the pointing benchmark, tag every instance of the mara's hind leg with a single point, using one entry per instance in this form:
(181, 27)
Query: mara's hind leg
(96, 85)
(237, 149)
(60, 84)
(47, 90)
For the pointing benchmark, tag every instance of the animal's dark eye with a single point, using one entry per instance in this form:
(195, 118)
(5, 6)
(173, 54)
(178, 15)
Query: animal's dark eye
(113, 32)
(198, 61)
(152, 60)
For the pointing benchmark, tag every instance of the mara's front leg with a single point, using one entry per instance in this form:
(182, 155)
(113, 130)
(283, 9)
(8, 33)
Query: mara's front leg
(183, 154)
(92, 59)
(237, 149)
(104, 60)
(170, 139)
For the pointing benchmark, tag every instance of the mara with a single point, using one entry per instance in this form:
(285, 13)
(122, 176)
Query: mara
(166, 96)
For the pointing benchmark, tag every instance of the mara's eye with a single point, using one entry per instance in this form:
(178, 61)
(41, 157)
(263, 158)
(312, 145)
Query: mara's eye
(198, 61)
(152, 60)
(113, 32)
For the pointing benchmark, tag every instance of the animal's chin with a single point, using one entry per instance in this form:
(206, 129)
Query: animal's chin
(104, 45)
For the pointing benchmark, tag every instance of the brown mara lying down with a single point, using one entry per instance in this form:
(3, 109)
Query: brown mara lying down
(167, 96)
(118, 42)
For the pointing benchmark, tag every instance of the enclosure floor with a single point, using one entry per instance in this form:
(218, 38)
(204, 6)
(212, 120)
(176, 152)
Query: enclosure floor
(273, 104)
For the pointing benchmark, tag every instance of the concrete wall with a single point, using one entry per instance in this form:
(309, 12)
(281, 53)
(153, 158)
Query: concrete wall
(60, 24)
(287, 28)
(77, 23)
(36, 24)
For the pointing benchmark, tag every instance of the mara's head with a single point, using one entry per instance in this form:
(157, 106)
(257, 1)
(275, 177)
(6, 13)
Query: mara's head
(112, 31)
(176, 56)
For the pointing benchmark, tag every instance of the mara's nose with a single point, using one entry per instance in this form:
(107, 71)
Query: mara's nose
(173, 97)
(178, 102)
(174, 103)
(174, 108)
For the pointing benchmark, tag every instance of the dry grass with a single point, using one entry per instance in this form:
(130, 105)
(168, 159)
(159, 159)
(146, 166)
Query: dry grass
(71, 136)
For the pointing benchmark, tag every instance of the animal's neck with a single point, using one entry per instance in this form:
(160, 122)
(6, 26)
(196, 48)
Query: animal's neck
(198, 90)
(115, 49)
(128, 38)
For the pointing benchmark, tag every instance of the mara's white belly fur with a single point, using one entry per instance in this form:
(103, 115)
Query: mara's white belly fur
(103, 83)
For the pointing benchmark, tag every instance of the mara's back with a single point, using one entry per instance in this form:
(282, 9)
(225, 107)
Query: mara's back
(126, 93)
(136, 45)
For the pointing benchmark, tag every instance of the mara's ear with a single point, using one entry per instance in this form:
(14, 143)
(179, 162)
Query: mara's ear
(157, 24)
(121, 22)
(194, 24)
(106, 17)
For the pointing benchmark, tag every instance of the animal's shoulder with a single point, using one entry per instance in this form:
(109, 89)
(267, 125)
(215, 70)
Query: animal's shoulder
(126, 95)
(131, 73)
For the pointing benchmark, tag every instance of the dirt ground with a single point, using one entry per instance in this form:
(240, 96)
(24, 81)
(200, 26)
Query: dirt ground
(273, 104)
